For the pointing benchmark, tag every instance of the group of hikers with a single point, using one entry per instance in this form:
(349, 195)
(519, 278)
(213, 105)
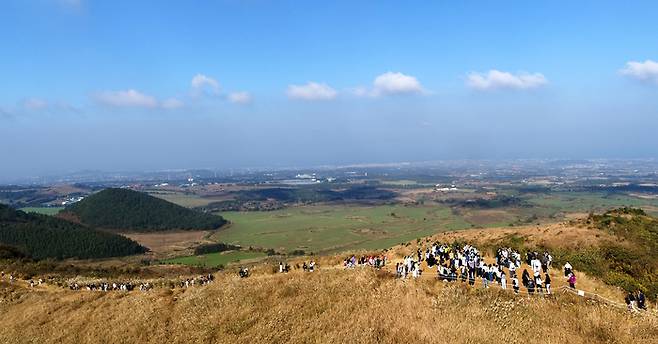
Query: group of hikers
(635, 301)
(409, 266)
(377, 262)
(200, 280)
(455, 262)
(307, 267)
(107, 286)
(142, 286)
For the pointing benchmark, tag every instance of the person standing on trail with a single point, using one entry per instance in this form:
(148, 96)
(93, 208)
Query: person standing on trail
(538, 284)
(628, 301)
(531, 286)
(546, 264)
(535, 264)
(280, 267)
(485, 276)
(492, 275)
(525, 278)
(641, 301)
(515, 284)
(572, 281)
(503, 281)
(547, 283)
(567, 269)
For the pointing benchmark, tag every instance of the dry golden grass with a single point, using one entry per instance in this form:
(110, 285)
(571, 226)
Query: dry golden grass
(333, 306)
(563, 235)
(168, 243)
(328, 306)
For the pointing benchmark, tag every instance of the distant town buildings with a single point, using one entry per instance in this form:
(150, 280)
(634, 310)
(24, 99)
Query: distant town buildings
(72, 200)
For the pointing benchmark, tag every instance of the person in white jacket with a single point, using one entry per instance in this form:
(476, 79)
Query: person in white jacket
(568, 269)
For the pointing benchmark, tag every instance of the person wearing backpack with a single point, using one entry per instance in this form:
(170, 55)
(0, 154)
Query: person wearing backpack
(572, 281)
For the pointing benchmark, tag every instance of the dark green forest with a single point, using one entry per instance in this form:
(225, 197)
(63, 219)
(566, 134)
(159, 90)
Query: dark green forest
(41, 236)
(125, 209)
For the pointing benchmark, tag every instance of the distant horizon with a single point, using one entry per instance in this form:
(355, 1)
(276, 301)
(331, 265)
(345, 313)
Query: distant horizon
(319, 167)
(152, 85)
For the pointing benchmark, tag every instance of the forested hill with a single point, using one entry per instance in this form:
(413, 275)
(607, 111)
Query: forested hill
(41, 236)
(136, 211)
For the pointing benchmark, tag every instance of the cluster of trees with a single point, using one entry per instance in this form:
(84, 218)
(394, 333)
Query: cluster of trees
(278, 197)
(499, 201)
(310, 194)
(241, 205)
(132, 210)
(215, 247)
(41, 236)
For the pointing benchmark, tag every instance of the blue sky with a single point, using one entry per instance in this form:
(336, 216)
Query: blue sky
(121, 85)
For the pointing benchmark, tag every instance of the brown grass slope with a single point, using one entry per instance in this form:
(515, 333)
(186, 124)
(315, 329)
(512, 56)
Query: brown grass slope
(328, 306)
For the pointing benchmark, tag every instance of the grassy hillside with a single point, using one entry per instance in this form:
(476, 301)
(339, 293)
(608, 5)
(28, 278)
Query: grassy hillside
(629, 262)
(137, 211)
(620, 247)
(328, 306)
(41, 236)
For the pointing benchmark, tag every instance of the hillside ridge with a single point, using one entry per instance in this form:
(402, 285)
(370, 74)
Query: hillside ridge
(125, 209)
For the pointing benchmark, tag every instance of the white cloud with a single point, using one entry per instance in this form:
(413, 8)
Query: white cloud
(202, 83)
(172, 103)
(128, 98)
(239, 97)
(496, 79)
(395, 83)
(311, 91)
(643, 71)
(35, 104)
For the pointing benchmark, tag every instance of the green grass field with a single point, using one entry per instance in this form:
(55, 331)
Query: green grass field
(334, 228)
(184, 200)
(586, 202)
(215, 259)
(42, 210)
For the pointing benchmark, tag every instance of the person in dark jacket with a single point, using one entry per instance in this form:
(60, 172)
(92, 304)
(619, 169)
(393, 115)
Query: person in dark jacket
(630, 300)
(641, 301)
(525, 277)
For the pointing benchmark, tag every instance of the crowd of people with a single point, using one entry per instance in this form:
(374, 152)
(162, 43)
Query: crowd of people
(453, 263)
(409, 266)
(142, 286)
(377, 262)
(465, 262)
(200, 280)
(105, 286)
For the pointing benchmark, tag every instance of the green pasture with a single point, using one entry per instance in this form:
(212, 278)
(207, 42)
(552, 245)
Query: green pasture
(334, 228)
(183, 199)
(215, 259)
(585, 202)
(42, 210)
